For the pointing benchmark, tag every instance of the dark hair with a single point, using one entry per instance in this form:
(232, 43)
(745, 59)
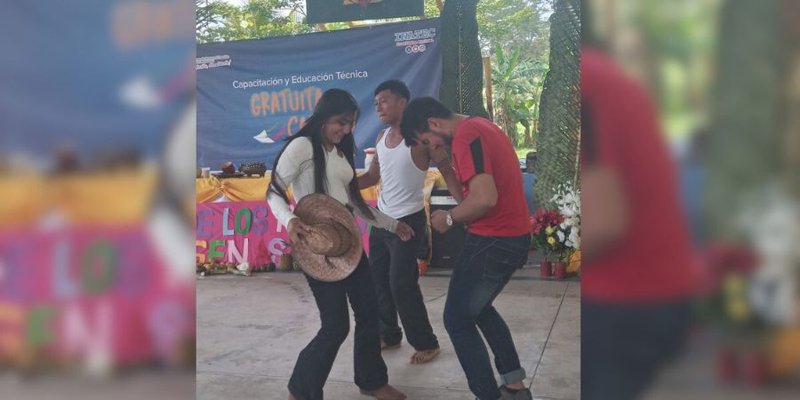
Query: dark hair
(396, 87)
(333, 102)
(416, 114)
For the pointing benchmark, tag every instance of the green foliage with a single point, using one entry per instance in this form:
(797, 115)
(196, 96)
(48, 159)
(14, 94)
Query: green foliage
(218, 21)
(517, 85)
(514, 24)
(514, 33)
(558, 140)
(677, 48)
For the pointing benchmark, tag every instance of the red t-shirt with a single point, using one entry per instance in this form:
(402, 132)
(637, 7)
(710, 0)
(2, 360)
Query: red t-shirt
(652, 262)
(480, 147)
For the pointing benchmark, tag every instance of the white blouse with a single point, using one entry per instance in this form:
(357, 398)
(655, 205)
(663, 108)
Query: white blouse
(295, 169)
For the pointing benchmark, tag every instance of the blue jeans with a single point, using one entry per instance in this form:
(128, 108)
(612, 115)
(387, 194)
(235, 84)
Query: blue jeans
(316, 360)
(623, 346)
(481, 271)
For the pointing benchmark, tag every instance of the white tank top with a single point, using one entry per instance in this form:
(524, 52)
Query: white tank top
(401, 180)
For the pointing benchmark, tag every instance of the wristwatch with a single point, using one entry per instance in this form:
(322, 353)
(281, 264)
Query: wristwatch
(449, 219)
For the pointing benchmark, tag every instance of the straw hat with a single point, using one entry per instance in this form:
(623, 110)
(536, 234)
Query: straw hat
(333, 249)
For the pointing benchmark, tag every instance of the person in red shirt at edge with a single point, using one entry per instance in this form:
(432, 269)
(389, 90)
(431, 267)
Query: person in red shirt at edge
(637, 279)
(497, 241)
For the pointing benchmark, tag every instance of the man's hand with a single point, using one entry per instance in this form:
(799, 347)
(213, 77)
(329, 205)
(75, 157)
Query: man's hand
(372, 176)
(375, 163)
(297, 229)
(404, 231)
(439, 221)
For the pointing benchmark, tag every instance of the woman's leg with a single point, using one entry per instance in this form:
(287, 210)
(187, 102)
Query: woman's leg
(316, 360)
(370, 370)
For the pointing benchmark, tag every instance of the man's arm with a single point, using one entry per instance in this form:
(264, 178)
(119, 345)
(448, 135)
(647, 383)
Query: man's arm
(373, 174)
(442, 161)
(482, 197)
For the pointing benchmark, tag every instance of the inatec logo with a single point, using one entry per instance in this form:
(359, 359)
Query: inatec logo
(416, 41)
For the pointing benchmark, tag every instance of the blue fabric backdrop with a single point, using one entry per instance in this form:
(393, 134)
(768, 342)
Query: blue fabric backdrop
(94, 74)
(253, 94)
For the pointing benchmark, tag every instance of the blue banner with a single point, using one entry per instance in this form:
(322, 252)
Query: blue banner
(94, 75)
(254, 94)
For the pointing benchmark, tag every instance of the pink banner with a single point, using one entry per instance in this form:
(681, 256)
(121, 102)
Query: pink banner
(91, 294)
(244, 231)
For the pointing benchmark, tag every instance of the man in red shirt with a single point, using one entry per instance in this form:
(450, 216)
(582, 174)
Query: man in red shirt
(637, 276)
(497, 242)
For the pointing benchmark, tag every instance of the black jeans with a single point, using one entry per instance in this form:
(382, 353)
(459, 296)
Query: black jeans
(394, 270)
(482, 270)
(624, 345)
(316, 360)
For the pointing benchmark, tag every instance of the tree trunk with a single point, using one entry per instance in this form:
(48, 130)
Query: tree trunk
(744, 137)
(462, 66)
(559, 107)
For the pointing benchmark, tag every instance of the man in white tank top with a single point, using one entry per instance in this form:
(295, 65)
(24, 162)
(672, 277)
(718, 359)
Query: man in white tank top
(393, 262)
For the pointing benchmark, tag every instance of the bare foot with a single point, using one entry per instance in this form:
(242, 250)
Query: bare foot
(424, 356)
(385, 392)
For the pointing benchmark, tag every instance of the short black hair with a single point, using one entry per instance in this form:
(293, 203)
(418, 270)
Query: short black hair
(397, 88)
(416, 114)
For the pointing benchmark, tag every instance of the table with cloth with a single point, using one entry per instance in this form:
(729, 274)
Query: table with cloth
(80, 248)
(234, 223)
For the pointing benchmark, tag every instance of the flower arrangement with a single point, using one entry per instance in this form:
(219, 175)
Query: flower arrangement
(558, 231)
(568, 201)
(544, 228)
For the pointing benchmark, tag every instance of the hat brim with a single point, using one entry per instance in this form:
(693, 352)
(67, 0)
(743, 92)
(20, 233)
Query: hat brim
(314, 209)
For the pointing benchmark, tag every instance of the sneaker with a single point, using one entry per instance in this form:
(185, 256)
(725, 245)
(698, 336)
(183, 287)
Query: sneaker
(522, 394)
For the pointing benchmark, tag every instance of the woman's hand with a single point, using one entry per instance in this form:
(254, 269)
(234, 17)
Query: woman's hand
(297, 229)
(404, 231)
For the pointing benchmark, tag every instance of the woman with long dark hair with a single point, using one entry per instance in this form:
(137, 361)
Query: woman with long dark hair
(319, 159)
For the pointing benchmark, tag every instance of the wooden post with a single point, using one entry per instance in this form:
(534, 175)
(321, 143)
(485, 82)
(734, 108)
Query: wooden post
(487, 80)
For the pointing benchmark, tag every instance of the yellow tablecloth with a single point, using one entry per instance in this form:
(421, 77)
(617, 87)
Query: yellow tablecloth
(97, 198)
(25, 199)
(123, 197)
(255, 189)
(235, 189)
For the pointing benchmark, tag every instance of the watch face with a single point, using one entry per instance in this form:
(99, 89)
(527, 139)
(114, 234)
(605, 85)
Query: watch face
(449, 219)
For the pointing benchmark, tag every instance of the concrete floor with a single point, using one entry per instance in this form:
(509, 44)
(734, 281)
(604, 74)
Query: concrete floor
(149, 384)
(250, 330)
(692, 376)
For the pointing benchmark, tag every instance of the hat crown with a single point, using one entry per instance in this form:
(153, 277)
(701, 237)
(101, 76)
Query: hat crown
(331, 248)
(328, 238)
